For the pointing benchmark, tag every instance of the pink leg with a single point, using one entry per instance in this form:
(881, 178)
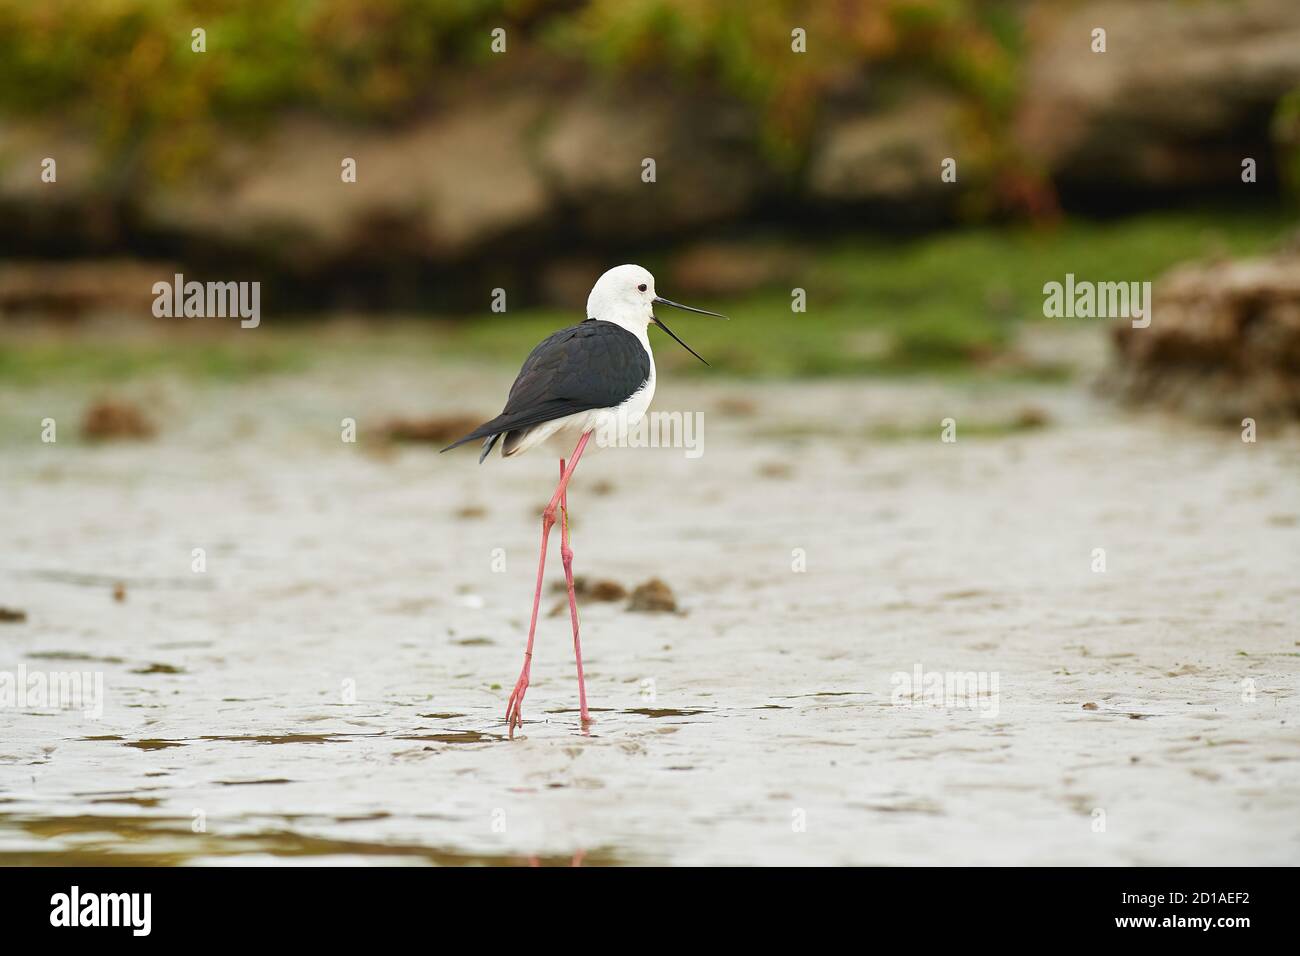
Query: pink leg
(566, 555)
(514, 716)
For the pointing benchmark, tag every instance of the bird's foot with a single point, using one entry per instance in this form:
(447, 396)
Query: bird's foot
(514, 706)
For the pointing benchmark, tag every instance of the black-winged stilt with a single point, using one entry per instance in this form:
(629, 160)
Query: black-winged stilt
(599, 374)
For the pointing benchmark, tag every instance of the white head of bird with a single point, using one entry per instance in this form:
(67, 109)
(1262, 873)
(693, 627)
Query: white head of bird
(625, 295)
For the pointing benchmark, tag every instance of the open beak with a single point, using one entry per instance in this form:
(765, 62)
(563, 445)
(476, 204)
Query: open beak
(659, 300)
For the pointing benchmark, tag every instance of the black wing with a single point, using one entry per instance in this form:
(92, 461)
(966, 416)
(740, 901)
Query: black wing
(593, 365)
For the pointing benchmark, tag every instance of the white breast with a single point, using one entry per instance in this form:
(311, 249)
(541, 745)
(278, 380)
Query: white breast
(635, 407)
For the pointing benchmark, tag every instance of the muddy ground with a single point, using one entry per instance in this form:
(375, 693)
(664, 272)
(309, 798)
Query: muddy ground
(333, 685)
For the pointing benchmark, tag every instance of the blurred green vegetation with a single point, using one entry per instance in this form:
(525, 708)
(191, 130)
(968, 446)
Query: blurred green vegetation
(968, 45)
(72, 360)
(1286, 132)
(948, 303)
(127, 65)
(942, 303)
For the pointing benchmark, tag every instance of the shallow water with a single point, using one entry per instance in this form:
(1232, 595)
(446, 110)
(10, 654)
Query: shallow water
(332, 688)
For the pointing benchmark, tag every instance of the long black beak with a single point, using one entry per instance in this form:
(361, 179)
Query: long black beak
(659, 300)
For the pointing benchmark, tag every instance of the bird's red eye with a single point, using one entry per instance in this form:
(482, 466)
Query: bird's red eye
(641, 287)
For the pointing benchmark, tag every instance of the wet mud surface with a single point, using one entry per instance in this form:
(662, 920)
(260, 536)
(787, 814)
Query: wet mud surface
(332, 687)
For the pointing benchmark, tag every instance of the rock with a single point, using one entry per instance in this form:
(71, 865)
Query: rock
(592, 589)
(601, 590)
(78, 288)
(436, 429)
(775, 469)
(707, 161)
(653, 596)
(1031, 416)
(1224, 342)
(732, 268)
(1181, 95)
(24, 145)
(493, 175)
(586, 589)
(111, 419)
(887, 156)
(439, 187)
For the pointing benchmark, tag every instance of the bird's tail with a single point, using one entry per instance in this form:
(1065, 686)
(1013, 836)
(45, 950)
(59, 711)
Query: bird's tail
(487, 446)
(480, 432)
(488, 430)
